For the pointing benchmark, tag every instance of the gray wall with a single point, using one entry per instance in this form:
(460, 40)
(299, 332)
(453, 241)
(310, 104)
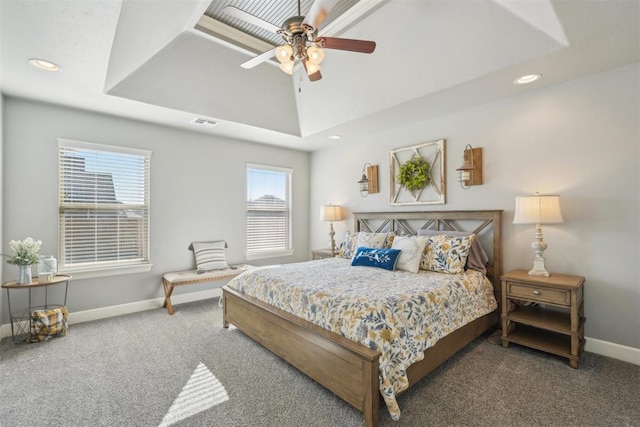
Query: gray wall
(198, 191)
(579, 140)
(2, 157)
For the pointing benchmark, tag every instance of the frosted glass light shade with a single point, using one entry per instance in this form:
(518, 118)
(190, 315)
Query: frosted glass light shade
(330, 213)
(312, 68)
(283, 53)
(287, 67)
(315, 54)
(538, 210)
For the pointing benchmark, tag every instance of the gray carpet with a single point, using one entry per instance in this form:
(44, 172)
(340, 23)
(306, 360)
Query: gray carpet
(129, 370)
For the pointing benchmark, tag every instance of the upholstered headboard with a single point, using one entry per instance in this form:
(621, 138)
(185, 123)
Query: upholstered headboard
(486, 224)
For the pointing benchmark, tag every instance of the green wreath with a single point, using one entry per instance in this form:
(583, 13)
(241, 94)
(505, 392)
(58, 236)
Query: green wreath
(414, 174)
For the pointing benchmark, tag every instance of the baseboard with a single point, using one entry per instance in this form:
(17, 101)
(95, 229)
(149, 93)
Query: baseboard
(615, 351)
(604, 348)
(118, 310)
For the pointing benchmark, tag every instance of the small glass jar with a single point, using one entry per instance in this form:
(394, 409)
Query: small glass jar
(47, 266)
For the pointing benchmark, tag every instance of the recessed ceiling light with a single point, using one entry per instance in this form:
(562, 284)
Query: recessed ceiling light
(529, 78)
(335, 137)
(44, 65)
(199, 121)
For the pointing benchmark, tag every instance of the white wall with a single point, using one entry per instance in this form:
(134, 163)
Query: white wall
(198, 192)
(2, 261)
(579, 140)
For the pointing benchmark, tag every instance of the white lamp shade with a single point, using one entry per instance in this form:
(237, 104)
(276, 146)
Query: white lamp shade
(330, 213)
(537, 210)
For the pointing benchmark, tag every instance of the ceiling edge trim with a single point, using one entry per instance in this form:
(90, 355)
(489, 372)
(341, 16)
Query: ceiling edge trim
(230, 34)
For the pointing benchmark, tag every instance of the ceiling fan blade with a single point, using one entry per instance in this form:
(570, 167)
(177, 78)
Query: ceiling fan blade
(265, 56)
(318, 12)
(315, 76)
(254, 20)
(362, 46)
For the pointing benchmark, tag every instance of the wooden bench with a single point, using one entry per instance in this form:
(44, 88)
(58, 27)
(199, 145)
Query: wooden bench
(179, 278)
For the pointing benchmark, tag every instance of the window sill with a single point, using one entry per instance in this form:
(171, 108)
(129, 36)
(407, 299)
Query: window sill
(272, 254)
(106, 272)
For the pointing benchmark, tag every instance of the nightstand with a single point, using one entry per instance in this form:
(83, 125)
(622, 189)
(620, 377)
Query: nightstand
(322, 253)
(545, 313)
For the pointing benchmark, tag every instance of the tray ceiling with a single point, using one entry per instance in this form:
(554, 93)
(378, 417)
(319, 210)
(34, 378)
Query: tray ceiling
(432, 57)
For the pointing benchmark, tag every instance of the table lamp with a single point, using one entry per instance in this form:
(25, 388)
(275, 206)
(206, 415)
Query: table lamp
(331, 213)
(538, 209)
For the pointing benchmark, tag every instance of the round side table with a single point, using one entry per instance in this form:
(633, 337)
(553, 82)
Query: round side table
(21, 321)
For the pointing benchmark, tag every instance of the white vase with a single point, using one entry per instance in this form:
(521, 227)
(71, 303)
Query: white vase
(24, 275)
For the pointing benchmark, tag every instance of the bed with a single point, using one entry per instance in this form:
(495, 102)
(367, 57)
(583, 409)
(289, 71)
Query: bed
(354, 369)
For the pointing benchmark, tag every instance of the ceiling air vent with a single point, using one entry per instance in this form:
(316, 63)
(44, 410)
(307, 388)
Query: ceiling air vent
(203, 122)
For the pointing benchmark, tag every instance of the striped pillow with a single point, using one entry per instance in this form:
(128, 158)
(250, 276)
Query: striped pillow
(210, 255)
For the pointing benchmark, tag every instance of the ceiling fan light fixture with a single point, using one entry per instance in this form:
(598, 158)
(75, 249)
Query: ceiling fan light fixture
(312, 68)
(287, 67)
(301, 41)
(284, 53)
(315, 54)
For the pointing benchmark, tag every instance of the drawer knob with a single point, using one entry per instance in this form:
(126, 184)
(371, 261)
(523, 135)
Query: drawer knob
(536, 292)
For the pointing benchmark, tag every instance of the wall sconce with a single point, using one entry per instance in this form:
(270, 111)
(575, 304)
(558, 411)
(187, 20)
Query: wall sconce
(369, 181)
(470, 173)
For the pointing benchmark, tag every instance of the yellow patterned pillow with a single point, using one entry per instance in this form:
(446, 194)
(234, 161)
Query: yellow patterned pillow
(446, 254)
(348, 246)
(388, 242)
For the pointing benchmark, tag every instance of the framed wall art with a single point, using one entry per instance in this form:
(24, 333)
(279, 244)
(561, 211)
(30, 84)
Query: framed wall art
(418, 175)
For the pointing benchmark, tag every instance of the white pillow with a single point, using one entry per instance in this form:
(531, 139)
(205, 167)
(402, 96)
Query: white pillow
(411, 250)
(370, 240)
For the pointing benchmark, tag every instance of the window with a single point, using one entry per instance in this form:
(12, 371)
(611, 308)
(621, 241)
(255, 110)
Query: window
(103, 195)
(268, 211)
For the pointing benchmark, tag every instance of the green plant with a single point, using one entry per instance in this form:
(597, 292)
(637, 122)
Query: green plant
(26, 251)
(415, 173)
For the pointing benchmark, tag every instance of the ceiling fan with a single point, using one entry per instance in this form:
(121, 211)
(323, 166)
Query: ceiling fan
(302, 43)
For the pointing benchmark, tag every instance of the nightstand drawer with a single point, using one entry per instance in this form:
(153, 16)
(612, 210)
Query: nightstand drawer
(538, 294)
(322, 253)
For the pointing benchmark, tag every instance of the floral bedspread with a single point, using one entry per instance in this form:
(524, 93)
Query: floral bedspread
(397, 313)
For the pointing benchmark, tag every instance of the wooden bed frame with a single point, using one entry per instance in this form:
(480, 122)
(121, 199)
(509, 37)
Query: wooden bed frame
(347, 368)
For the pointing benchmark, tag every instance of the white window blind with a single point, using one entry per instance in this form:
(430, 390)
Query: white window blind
(103, 206)
(268, 211)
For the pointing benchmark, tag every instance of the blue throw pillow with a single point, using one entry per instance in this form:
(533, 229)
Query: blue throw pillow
(376, 257)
